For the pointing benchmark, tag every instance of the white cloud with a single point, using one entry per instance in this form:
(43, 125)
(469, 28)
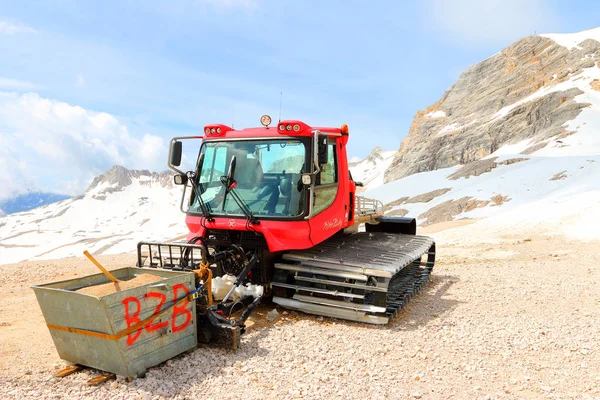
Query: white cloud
(500, 22)
(53, 146)
(12, 28)
(80, 81)
(15, 84)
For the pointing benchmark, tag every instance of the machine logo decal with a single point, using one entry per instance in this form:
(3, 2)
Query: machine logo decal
(332, 224)
(232, 223)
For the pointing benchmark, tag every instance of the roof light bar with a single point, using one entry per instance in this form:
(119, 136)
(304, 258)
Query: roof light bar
(217, 129)
(296, 126)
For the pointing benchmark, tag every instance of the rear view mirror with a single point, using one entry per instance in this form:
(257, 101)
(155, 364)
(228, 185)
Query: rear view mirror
(323, 151)
(175, 153)
(180, 179)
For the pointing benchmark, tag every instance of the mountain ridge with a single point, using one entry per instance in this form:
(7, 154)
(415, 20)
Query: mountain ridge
(119, 208)
(526, 91)
(370, 170)
(517, 156)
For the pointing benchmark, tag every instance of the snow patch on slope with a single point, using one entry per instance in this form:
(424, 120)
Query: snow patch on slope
(454, 127)
(370, 171)
(436, 114)
(510, 150)
(586, 124)
(572, 40)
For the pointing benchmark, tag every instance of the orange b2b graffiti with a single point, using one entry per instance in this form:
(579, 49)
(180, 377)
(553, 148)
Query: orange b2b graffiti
(132, 317)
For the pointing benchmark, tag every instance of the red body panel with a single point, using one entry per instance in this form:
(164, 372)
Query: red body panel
(280, 235)
(284, 235)
(336, 216)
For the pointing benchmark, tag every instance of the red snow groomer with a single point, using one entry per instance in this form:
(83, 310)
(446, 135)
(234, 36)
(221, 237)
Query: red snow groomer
(276, 207)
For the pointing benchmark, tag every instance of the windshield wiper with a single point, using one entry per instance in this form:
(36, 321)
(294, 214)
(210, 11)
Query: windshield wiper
(203, 206)
(192, 179)
(230, 185)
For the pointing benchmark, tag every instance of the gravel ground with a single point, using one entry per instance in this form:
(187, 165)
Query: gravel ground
(508, 318)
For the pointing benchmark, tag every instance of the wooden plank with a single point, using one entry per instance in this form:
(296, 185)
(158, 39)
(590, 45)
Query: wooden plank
(71, 369)
(97, 380)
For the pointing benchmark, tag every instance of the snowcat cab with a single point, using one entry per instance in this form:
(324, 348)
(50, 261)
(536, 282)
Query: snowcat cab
(276, 208)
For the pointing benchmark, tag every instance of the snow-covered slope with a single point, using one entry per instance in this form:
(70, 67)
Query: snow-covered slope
(535, 191)
(558, 184)
(370, 171)
(537, 163)
(119, 209)
(573, 40)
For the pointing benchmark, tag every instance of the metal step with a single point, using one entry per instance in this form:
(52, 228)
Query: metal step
(329, 311)
(341, 304)
(318, 290)
(336, 266)
(343, 284)
(320, 271)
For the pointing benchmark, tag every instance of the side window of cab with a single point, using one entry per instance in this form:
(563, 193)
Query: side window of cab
(326, 187)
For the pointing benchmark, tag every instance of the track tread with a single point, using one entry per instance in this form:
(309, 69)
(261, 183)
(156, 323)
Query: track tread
(403, 262)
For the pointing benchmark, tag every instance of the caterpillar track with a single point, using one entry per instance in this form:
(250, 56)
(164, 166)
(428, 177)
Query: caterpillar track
(365, 277)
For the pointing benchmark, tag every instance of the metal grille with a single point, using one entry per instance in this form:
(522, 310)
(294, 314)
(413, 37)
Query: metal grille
(169, 255)
(219, 235)
(243, 238)
(253, 238)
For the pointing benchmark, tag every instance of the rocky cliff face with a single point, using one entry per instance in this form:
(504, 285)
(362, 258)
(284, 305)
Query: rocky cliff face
(521, 93)
(376, 155)
(118, 177)
(370, 170)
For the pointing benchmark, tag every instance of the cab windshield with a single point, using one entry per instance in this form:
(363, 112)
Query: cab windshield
(268, 175)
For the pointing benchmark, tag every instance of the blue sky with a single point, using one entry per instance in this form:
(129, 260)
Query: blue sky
(85, 85)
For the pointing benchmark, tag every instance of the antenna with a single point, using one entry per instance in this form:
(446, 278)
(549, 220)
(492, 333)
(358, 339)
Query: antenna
(233, 113)
(280, 103)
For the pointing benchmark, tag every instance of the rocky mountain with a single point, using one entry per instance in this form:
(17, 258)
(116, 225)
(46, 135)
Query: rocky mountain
(119, 208)
(118, 178)
(292, 164)
(370, 171)
(530, 91)
(514, 144)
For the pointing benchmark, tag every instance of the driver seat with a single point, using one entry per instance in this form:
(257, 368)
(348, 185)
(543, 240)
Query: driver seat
(248, 171)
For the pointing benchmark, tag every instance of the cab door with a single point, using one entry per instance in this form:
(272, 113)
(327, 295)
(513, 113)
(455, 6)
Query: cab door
(329, 205)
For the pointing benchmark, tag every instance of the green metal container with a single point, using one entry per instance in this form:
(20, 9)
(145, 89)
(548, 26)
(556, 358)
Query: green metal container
(86, 328)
